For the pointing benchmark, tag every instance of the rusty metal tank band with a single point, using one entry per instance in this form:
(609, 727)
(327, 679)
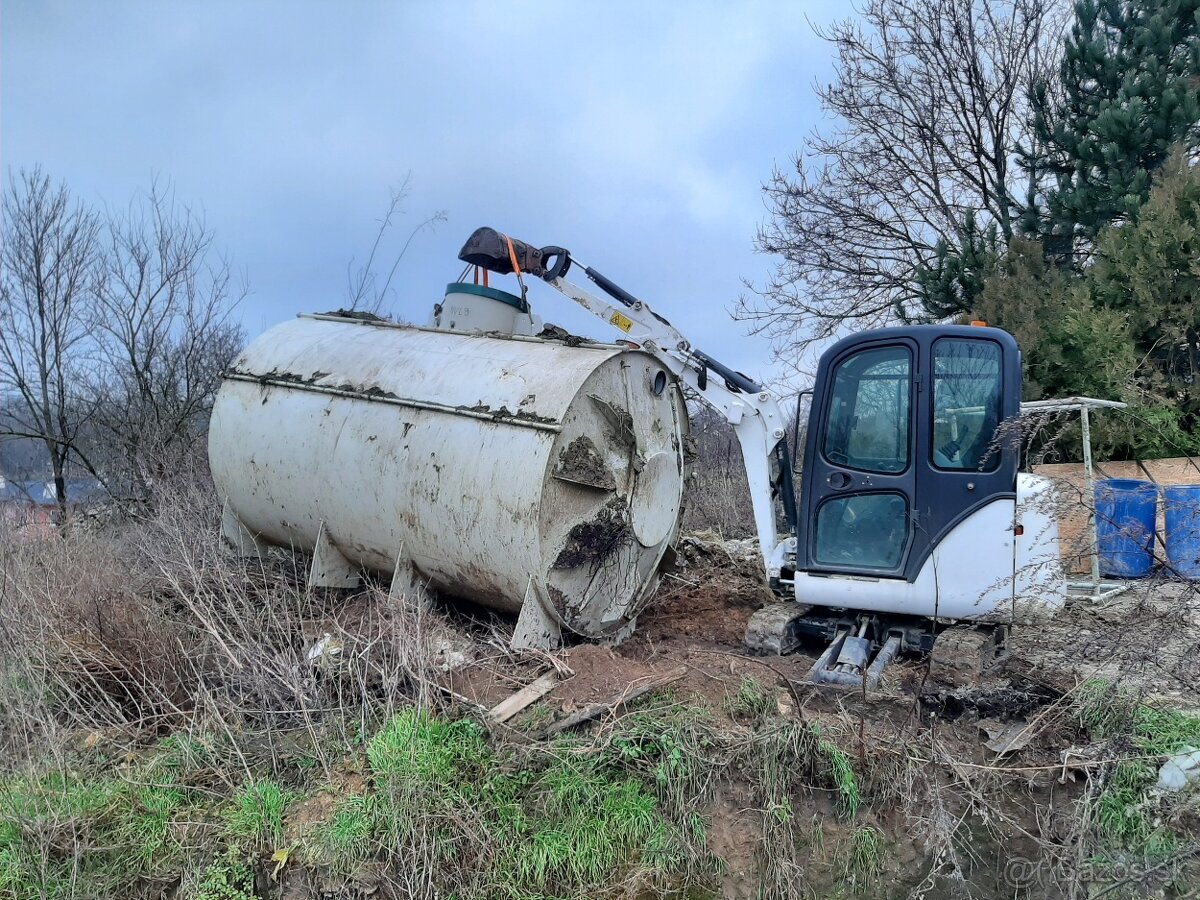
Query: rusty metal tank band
(292, 385)
(490, 335)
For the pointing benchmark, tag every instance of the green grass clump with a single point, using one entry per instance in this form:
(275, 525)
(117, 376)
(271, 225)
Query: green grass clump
(580, 828)
(349, 836)
(64, 832)
(225, 878)
(101, 832)
(593, 814)
(1126, 814)
(147, 827)
(1103, 709)
(415, 745)
(864, 859)
(12, 861)
(181, 754)
(1122, 811)
(845, 782)
(255, 817)
(1165, 731)
(669, 749)
(557, 823)
(752, 701)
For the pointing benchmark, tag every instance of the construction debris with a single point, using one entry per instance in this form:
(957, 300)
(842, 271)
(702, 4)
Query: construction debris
(1180, 770)
(527, 696)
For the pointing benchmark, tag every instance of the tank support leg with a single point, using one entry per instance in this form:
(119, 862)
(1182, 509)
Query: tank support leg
(329, 568)
(408, 585)
(244, 541)
(535, 630)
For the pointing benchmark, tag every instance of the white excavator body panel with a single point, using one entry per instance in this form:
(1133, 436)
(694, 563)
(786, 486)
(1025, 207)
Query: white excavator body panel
(983, 570)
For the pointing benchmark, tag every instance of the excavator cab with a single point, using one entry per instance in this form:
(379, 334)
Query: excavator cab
(910, 508)
(905, 446)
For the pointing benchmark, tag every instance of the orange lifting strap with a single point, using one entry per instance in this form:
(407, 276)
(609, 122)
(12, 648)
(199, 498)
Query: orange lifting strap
(512, 257)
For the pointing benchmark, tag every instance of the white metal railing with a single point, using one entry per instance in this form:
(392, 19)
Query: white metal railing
(1098, 588)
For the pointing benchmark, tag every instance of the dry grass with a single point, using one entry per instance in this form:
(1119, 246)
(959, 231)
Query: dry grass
(151, 626)
(159, 696)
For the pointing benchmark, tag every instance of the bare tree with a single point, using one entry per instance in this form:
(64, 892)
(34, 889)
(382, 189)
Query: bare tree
(919, 175)
(165, 337)
(365, 293)
(49, 279)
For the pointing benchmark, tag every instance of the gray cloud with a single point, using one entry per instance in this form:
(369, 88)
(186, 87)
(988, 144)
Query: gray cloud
(635, 134)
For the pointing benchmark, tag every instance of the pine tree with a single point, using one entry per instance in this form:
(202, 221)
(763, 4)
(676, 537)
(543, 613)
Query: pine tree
(1150, 271)
(1128, 89)
(952, 281)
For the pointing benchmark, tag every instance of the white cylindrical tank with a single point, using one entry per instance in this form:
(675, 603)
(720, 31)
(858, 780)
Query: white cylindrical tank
(507, 470)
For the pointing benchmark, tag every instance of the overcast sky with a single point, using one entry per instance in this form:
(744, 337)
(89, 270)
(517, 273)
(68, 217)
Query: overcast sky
(637, 135)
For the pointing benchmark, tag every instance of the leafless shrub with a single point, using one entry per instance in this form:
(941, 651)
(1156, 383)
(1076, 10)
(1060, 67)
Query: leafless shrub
(77, 628)
(153, 624)
(164, 339)
(114, 332)
(48, 285)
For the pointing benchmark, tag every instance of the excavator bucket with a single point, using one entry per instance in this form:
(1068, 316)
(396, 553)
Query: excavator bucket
(495, 251)
(847, 661)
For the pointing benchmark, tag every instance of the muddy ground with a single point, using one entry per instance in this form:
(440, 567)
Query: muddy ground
(977, 790)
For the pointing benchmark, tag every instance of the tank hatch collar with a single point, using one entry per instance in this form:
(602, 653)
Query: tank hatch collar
(491, 293)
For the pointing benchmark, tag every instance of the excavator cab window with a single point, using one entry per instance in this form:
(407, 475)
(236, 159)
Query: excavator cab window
(869, 421)
(967, 389)
(904, 444)
(868, 432)
(865, 530)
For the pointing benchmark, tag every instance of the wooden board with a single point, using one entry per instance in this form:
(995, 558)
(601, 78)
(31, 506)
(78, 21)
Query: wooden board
(1185, 470)
(1072, 509)
(530, 694)
(632, 692)
(1125, 468)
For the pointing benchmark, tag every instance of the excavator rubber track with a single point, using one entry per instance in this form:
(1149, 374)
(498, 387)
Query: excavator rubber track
(772, 630)
(963, 655)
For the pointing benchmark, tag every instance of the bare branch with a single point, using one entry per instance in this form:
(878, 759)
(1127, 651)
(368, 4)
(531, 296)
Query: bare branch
(165, 335)
(930, 100)
(362, 293)
(49, 279)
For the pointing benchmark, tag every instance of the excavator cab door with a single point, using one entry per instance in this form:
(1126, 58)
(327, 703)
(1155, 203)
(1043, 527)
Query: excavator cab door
(904, 442)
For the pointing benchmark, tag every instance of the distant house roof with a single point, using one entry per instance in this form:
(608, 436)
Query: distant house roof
(41, 493)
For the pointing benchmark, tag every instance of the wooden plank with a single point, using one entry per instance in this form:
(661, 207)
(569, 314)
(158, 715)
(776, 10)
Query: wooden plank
(629, 694)
(1120, 468)
(1073, 506)
(1173, 471)
(1052, 470)
(531, 693)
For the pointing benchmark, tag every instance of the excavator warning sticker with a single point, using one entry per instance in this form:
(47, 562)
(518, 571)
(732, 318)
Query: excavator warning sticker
(623, 322)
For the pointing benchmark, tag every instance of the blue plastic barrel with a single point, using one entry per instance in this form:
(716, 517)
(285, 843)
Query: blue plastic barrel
(1182, 511)
(1125, 525)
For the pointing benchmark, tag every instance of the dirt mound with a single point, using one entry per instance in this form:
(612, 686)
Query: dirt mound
(718, 586)
(600, 674)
